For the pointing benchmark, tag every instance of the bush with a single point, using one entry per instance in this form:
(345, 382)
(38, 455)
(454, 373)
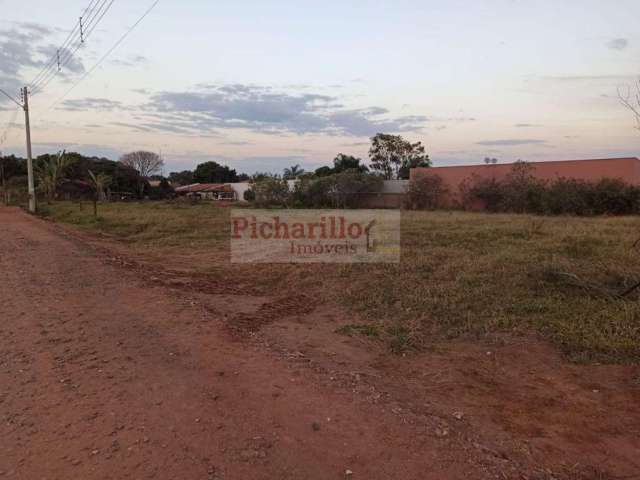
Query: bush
(425, 192)
(522, 192)
(339, 190)
(272, 192)
(313, 192)
(488, 192)
(348, 186)
(568, 196)
(249, 195)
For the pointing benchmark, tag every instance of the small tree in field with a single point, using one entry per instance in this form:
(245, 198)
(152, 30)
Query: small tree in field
(425, 192)
(51, 172)
(99, 183)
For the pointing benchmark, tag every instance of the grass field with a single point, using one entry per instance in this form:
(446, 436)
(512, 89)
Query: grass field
(461, 274)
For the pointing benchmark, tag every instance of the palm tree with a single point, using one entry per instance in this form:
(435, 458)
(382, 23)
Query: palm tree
(99, 183)
(50, 172)
(293, 172)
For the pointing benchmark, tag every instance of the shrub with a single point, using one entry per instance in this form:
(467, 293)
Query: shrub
(568, 196)
(487, 191)
(340, 190)
(425, 192)
(348, 187)
(271, 192)
(615, 197)
(522, 192)
(249, 195)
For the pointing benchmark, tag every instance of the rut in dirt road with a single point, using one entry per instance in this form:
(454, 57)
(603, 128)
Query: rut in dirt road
(104, 377)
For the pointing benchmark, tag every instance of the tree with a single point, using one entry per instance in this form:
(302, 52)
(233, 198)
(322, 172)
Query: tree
(162, 191)
(99, 183)
(490, 161)
(630, 98)
(293, 172)
(394, 157)
(184, 177)
(323, 171)
(50, 172)
(344, 162)
(259, 176)
(146, 163)
(213, 172)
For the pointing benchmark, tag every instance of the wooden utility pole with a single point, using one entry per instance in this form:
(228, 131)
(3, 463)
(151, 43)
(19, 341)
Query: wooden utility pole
(32, 190)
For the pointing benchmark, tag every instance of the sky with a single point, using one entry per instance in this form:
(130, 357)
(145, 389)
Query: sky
(263, 85)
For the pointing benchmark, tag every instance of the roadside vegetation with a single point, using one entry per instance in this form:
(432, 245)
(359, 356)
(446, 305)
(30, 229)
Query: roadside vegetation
(462, 275)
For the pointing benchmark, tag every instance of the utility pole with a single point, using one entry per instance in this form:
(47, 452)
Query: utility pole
(32, 190)
(24, 92)
(5, 198)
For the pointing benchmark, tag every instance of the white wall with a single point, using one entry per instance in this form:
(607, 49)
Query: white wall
(240, 188)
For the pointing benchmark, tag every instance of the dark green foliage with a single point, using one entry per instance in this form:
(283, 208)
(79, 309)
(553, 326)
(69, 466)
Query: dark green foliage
(13, 166)
(340, 190)
(521, 192)
(249, 195)
(323, 171)
(162, 191)
(181, 178)
(212, 172)
(343, 163)
(123, 179)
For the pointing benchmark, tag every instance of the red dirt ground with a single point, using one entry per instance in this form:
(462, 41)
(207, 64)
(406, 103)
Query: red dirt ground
(108, 372)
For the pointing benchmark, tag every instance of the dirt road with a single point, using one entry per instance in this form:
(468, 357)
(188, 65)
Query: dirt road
(103, 376)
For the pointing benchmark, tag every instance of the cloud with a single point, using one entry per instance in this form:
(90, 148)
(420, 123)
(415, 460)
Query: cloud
(618, 44)
(269, 111)
(526, 125)
(26, 46)
(89, 103)
(368, 122)
(130, 61)
(237, 143)
(510, 142)
(588, 78)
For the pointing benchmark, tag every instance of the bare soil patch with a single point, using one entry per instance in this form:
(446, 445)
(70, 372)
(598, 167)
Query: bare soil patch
(508, 402)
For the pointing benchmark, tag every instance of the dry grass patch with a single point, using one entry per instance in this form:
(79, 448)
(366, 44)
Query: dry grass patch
(462, 274)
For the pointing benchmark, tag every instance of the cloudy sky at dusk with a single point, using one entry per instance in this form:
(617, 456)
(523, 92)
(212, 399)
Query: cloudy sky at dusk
(261, 85)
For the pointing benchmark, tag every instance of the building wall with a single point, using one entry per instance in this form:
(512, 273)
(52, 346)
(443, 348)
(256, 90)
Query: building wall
(626, 169)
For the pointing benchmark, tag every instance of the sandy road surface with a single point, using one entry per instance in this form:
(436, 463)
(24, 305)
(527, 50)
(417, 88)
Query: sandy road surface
(103, 376)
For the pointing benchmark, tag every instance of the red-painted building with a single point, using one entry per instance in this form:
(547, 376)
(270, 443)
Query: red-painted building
(626, 169)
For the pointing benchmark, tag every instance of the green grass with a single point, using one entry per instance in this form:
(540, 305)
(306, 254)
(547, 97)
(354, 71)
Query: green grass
(461, 274)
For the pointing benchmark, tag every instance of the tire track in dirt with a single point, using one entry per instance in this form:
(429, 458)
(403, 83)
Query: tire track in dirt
(103, 375)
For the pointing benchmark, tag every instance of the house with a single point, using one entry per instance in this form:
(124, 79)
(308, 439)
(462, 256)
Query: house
(456, 177)
(208, 191)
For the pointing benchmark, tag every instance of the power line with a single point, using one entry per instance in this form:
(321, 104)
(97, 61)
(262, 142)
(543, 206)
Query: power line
(91, 28)
(104, 57)
(67, 50)
(52, 63)
(10, 124)
(59, 61)
(10, 98)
